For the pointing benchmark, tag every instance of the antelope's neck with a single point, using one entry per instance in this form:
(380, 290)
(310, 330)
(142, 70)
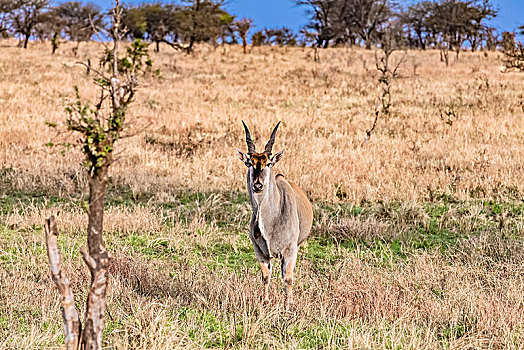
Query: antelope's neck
(268, 201)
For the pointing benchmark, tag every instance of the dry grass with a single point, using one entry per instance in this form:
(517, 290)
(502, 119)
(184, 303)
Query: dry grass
(418, 236)
(456, 129)
(197, 286)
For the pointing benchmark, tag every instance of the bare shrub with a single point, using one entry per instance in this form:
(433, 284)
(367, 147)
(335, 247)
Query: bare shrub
(514, 57)
(352, 228)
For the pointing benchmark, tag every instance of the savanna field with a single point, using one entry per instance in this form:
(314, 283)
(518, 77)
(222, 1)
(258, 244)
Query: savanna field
(417, 241)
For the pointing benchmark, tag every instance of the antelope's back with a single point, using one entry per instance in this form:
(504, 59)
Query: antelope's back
(304, 209)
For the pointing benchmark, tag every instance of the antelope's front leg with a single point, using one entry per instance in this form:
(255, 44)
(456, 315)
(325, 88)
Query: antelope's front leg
(288, 263)
(265, 266)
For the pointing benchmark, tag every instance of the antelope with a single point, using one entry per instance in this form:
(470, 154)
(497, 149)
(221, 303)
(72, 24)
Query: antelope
(282, 214)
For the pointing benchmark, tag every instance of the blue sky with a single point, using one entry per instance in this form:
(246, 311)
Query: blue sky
(277, 13)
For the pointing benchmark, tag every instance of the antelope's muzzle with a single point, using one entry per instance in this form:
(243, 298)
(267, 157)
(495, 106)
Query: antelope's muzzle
(257, 187)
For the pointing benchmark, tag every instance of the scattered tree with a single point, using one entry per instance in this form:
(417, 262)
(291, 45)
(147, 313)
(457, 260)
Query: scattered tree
(179, 26)
(441, 23)
(242, 27)
(48, 25)
(259, 39)
(24, 15)
(514, 59)
(508, 41)
(100, 127)
(310, 38)
(390, 41)
(134, 22)
(365, 17)
(201, 21)
(326, 19)
(227, 29)
(160, 23)
(513, 52)
(345, 20)
(282, 37)
(80, 20)
(6, 6)
(415, 18)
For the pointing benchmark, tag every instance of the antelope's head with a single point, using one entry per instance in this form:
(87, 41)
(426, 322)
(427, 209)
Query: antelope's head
(259, 164)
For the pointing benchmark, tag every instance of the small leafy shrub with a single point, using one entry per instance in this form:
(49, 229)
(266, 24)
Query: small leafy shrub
(137, 59)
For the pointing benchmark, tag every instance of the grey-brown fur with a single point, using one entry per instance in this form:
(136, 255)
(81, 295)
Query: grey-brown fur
(282, 215)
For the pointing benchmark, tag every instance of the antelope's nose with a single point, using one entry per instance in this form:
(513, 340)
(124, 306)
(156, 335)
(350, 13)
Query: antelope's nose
(257, 187)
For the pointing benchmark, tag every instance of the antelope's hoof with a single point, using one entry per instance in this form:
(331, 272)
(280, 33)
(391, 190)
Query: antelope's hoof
(290, 305)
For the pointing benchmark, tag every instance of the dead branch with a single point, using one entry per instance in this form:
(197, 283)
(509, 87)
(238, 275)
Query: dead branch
(72, 325)
(187, 49)
(368, 132)
(137, 132)
(387, 76)
(91, 68)
(97, 33)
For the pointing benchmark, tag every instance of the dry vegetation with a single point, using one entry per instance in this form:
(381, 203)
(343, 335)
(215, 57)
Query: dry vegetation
(457, 130)
(418, 237)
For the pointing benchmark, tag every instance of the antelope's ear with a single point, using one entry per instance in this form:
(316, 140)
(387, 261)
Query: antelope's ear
(242, 156)
(276, 158)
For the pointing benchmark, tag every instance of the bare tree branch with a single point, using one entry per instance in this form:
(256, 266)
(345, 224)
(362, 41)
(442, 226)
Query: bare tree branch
(72, 325)
(94, 70)
(177, 46)
(96, 30)
(387, 76)
(368, 132)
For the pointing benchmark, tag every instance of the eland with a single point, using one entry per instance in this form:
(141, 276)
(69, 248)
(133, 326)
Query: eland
(282, 214)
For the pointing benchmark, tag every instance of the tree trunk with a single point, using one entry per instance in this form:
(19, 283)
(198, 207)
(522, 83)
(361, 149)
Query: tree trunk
(157, 48)
(97, 259)
(75, 49)
(54, 42)
(189, 48)
(421, 40)
(474, 44)
(26, 41)
(368, 42)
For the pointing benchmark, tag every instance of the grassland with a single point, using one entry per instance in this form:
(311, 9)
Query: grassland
(418, 235)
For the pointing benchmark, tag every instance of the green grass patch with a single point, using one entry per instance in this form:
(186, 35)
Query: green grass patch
(14, 199)
(208, 329)
(226, 255)
(323, 334)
